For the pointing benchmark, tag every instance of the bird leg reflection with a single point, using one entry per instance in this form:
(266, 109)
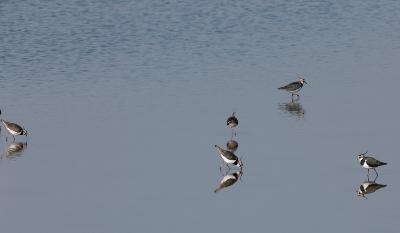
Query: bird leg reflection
(376, 173)
(376, 177)
(298, 97)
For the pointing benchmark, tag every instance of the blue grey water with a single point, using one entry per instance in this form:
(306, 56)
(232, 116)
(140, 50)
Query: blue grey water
(124, 101)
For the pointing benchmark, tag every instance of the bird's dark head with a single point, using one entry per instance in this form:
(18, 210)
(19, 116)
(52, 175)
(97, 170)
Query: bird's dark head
(302, 80)
(239, 163)
(361, 156)
(360, 193)
(24, 132)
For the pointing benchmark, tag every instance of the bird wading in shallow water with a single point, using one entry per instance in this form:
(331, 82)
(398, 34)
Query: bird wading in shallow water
(369, 162)
(14, 129)
(294, 87)
(229, 157)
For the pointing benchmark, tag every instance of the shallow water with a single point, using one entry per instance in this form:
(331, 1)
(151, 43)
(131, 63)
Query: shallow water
(124, 101)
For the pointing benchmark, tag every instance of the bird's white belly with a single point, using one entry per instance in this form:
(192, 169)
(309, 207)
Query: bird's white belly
(365, 165)
(227, 160)
(13, 132)
(295, 91)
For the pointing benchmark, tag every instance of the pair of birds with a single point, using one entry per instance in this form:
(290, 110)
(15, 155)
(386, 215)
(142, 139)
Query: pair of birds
(228, 156)
(13, 128)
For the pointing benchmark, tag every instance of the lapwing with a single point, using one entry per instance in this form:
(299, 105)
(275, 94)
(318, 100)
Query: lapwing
(229, 180)
(294, 87)
(14, 129)
(369, 187)
(232, 121)
(369, 162)
(232, 145)
(229, 157)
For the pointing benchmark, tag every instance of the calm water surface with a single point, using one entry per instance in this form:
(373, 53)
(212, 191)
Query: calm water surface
(124, 101)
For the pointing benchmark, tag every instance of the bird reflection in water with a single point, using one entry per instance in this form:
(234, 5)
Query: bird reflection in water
(232, 144)
(14, 150)
(293, 108)
(228, 180)
(368, 187)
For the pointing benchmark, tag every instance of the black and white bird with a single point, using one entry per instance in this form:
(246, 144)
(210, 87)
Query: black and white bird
(294, 87)
(232, 121)
(229, 157)
(14, 129)
(369, 162)
(229, 180)
(368, 187)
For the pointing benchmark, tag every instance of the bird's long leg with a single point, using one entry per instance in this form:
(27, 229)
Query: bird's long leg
(376, 173)
(13, 138)
(368, 172)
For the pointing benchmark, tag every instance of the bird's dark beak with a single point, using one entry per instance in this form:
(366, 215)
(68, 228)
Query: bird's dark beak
(305, 81)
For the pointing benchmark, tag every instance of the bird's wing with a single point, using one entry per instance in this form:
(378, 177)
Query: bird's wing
(372, 162)
(229, 155)
(14, 127)
(292, 86)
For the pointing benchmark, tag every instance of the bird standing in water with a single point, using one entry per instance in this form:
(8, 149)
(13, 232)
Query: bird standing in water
(14, 129)
(369, 162)
(294, 87)
(229, 157)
